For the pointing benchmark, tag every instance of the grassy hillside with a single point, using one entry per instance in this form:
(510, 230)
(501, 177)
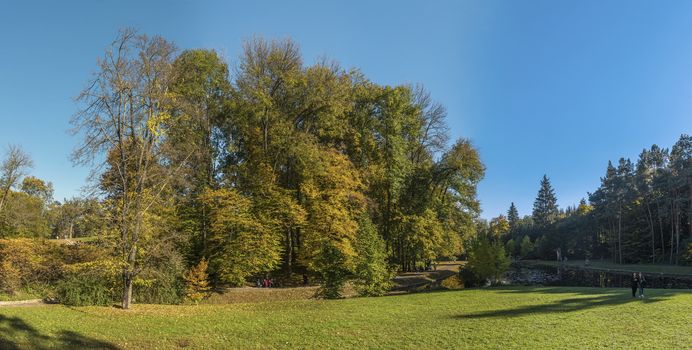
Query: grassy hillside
(497, 318)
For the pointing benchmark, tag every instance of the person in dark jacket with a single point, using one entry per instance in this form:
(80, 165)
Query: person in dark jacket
(635, 284)
(641, 280)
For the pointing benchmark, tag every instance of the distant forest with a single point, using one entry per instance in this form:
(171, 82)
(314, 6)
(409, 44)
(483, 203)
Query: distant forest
(641, 213)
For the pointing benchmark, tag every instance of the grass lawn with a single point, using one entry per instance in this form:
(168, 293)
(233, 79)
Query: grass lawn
(611, 266)
(503, 318)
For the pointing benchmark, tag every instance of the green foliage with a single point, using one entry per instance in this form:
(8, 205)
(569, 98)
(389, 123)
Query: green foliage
(91, 283)
(487, 259)
(545, 210)
(373, 276)
(243, 244)
(499, 227)
(331, 265)
(511, 247)
(161, 279)
(513, 217)
(525, 247)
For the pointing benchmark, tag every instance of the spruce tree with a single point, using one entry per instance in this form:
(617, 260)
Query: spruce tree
(512, 217)
(545, 210)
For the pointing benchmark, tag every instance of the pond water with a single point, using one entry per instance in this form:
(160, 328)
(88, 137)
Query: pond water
(575, 277)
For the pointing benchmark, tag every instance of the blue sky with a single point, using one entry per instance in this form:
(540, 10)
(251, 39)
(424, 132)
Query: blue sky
(555, 87)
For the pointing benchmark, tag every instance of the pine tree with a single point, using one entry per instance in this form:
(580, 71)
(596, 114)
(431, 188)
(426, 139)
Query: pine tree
(545, 210)
(512, 217)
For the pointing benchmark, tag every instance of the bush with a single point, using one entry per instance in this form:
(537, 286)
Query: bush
(373, 277)
(197, 283)
(161, 281)
(487, 259)
(10, 277)
(525, 247)
(93, 283)
(452, 283)
(331, 266)
(469, 279)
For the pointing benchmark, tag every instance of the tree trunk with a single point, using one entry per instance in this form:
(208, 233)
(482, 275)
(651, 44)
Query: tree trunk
(653, 235)
(620, 235)
(660, 230)
(289, 253)
(672, 230)
(127, 290)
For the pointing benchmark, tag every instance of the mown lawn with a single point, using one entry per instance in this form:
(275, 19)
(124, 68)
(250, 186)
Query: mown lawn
(504, 318)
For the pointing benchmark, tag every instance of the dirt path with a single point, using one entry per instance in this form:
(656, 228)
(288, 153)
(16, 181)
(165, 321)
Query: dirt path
(414, 280)
(32, 302)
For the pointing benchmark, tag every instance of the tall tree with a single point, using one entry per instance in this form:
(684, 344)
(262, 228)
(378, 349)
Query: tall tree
(512, 217)
(125, 108)
(12, 169)
(545, 209)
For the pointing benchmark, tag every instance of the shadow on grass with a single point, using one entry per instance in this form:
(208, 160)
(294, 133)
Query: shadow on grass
(16, 334)
(586, 298)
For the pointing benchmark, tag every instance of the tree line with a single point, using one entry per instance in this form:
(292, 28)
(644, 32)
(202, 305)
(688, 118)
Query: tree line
(271, 166)
(640, 213)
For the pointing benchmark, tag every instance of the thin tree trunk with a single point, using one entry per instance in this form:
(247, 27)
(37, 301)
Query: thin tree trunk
(672, 230)
(620, 235)
(653, 235)
(660, 230)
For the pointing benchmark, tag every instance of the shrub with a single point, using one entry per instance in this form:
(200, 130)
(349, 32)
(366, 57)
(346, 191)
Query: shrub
(197, 283)
(373, 277)
(92, 283)
(469, 279)
(487, 259)
(161, 280)
(525, 247)
(452, 283)
(10, 277)
(331, 266)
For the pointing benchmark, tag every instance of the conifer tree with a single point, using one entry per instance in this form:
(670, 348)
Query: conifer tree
(545, 210)
(512, 217)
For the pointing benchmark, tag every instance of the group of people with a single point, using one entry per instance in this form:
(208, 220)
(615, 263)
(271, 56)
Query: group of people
(638, 282)
(265, 282)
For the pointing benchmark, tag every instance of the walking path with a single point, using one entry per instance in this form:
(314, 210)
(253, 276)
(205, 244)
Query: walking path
(30, 302)
(410, 281)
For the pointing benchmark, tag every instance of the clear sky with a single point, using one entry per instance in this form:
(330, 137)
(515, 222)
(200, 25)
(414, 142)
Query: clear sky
(555, 87)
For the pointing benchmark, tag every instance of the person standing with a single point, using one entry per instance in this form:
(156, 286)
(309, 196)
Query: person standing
(642, 281)
(634, 284)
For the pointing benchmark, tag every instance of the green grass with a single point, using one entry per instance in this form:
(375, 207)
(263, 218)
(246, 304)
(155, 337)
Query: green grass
(518, 317)
(611, 266)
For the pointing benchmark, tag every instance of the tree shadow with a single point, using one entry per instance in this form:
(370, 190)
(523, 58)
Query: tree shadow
(16, 334)
(586, 298)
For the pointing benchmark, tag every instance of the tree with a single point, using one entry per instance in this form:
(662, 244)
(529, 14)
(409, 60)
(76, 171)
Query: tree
(125, 107)
(525, 246)
(511, 247)
(487, 259)
(12, 169)
(513, 217)
(545, 209)
(200, 87)
(499, 227)
(243, 244)
(196, 282)
(373, 276)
